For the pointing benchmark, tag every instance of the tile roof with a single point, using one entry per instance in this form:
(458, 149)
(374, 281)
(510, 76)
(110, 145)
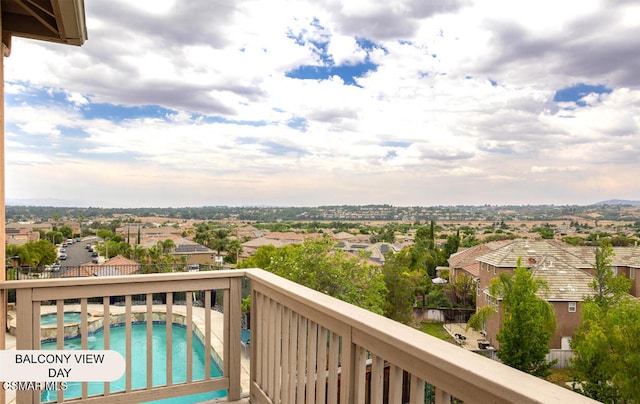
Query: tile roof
(564, 267)
(120, 260)
(626, 256)
(532, 252)
(565, 282)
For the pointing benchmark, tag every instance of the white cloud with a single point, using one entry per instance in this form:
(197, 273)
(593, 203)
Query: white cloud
(459, 109)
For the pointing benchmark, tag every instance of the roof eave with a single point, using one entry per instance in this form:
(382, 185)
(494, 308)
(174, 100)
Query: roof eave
(70, 23)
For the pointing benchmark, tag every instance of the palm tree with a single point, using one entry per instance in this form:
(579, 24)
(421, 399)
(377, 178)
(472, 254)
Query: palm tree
(80, 217)
(168, 245)
(220, 242)
(137, 252)
(235, 249)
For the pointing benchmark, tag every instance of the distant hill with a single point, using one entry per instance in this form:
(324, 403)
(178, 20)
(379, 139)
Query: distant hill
(618, 202)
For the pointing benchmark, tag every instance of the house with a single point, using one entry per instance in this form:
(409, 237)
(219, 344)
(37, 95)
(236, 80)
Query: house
(192, 253)
(20, 235)
(464, 262)
(115, 266)
(565, 273)
(276, 239)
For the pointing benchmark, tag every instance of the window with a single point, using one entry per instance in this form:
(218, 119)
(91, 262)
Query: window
(572, 307)
(478, 289)
(632, 273)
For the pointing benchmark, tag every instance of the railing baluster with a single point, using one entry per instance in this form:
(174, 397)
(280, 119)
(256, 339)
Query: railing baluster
(360, 375)
(106, 329)
(263, 335)
(416, 390)
(84, 334)
(207, 334)
(302, 356)
(334, 354)
(189, 353)
(321, 366)
(271, 341)
(149, 320)
(293, 347)
(395, 384)
(312, 346)
(442, 397)
(128, 354)
(377, 379)
(169, 340)
(285, 356)
(36, 340)
(60, 337)
(256, 338)
(277, 360)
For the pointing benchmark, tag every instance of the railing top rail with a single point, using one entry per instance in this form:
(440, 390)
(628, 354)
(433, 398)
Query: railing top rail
(419, 353)
(120, 279)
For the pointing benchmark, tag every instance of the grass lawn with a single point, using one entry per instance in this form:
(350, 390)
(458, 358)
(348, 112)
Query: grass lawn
(560, 377)
(436, 330)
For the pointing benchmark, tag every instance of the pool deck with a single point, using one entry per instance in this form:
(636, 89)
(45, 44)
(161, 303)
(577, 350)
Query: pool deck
(198, 313)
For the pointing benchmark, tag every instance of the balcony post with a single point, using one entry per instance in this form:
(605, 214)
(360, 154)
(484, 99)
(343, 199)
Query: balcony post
(233, 345)
(26, 333)
(3, 269)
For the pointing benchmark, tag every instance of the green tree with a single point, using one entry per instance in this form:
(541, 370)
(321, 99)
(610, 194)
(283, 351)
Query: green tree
(609, 289)
(528, 324)
(234, 249)
(137, 252)
(463, 289)
(80, 218)
(315, 264)
(67, 232)
(36, 253)
(546, 232)
(452, 244)
(168, 245)
(399, 282)
(54, 236)
(528, 320)
(104, 233)
(607, 352)
(607, 343)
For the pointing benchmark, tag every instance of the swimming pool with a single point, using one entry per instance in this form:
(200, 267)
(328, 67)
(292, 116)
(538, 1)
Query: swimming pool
(139, 355)
(69, 317)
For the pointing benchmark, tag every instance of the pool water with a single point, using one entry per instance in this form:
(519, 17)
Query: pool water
(139, 359)
(69, 317)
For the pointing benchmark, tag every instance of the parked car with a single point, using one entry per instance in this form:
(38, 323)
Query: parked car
(55, 267)
(63, 256)
(94, 261)
(63, 250)
(94, 254)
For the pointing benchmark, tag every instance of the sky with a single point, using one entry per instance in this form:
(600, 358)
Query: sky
(175, 103)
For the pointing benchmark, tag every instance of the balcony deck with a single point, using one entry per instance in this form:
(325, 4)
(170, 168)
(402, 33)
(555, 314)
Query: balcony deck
(305, 346)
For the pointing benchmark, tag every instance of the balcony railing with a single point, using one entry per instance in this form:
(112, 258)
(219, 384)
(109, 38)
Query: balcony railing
(305, 346)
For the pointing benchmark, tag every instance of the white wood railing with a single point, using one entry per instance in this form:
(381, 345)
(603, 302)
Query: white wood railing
(310, 348)
(305, 347)
(30, 295)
